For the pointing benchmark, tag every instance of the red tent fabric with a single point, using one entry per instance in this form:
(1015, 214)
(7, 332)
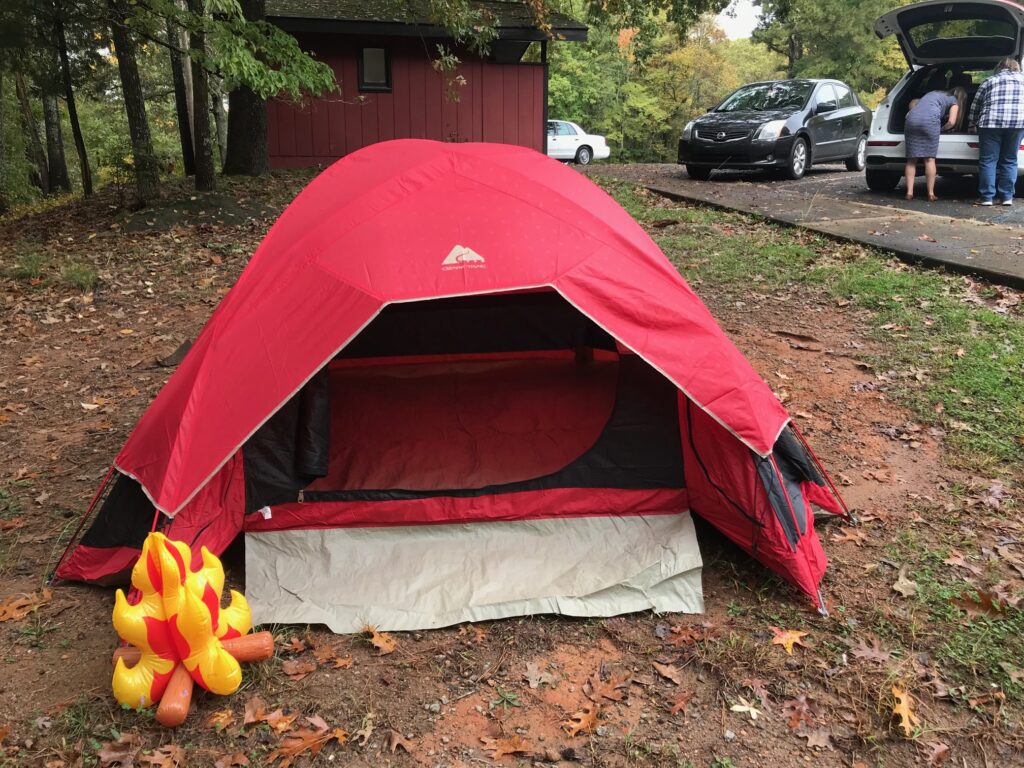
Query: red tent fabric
(413, 220)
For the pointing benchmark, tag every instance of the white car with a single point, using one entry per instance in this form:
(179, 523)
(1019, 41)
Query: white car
(567, 141)
(946, 44)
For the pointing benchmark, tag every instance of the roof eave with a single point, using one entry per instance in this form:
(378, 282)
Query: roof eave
(403, 29)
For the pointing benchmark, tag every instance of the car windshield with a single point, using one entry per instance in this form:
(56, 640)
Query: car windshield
(768, 96)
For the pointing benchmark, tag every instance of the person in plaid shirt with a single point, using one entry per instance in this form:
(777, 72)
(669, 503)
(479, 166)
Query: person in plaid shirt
(998, 115)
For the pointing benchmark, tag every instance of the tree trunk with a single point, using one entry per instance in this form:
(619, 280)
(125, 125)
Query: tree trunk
(40, 174)
(55, 162)
(69, 95)
(147, 169)
(247, 118)
(4, 204)
(181, 97)
(220, 118)
(206, 178)
(792, 56)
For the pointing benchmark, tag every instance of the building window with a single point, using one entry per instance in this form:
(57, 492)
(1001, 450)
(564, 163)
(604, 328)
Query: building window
(374, 69)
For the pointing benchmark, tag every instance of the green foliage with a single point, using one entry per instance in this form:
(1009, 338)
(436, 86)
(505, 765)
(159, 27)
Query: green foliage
(640, 95)
(15, 167)
(833, 38)
(78, 275)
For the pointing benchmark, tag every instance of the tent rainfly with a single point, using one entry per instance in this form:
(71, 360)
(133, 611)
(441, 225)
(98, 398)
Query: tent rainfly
(458, 382)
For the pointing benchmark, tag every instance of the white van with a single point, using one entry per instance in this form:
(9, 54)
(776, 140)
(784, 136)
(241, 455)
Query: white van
(946, 44)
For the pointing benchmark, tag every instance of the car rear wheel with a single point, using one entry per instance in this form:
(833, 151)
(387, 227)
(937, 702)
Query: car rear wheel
(798, 160)
(584, 155)
(698, 172)
(859, 159)
(882, 181)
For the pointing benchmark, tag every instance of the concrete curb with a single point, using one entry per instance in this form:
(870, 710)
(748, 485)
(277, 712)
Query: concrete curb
(992, 253)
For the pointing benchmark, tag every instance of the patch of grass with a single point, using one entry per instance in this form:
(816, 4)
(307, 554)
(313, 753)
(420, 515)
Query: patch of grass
(29, 266)
(77, 275)
(946, 349)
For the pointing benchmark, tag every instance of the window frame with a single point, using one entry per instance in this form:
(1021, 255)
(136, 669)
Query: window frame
(365, 87)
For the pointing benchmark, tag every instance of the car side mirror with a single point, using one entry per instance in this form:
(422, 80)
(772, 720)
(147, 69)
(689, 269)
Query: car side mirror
(825, 106)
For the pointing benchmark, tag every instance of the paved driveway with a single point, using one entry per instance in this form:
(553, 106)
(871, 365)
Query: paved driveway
(951, 232)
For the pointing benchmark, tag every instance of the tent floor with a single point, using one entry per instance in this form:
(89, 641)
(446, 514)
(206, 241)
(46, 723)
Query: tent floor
(427, 576)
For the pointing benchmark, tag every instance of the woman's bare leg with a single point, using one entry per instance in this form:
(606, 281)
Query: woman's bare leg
(929, 176)
(911, 173)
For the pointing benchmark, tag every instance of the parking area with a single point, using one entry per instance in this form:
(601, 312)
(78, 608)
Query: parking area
(952, 232)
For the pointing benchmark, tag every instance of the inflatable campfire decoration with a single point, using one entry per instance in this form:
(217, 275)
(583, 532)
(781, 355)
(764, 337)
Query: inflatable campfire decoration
(177, 632)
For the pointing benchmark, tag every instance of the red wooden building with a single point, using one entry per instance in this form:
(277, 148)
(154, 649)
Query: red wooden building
(390, 89)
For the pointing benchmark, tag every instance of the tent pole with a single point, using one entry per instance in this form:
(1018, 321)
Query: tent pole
(81, 523)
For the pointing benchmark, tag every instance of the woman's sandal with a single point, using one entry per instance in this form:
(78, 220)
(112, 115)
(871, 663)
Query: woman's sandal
(932, 198)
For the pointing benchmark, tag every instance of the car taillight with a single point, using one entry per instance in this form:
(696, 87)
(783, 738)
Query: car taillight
(883, 143)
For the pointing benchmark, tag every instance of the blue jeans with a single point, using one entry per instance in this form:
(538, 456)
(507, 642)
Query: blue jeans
(997, 162)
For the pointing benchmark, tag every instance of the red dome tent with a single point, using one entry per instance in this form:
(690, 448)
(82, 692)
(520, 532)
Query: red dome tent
(458, 333)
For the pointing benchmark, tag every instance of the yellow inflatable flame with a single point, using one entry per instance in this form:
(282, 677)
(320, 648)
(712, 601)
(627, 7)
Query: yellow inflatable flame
(178, 618)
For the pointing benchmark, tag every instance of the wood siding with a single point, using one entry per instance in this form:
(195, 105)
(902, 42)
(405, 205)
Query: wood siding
(500, 102)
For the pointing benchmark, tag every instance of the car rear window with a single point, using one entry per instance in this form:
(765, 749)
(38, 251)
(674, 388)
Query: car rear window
(924, 34)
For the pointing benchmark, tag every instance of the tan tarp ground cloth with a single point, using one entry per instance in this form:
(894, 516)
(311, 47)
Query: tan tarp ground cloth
(422, 577)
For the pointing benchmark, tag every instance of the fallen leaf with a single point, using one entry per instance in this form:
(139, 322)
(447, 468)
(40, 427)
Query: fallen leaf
(121, 752)
(902, 708)
(295, 645)
(800, 711)
(872, 652)
(956, 558)
(11, 523)
(903, 585)
(256, 712)
(167, 756)
(937, 754)
(303, 740)
(499, 748)
(820, 738)
(397, 740)
(382, 641)
(296, 669)
(583, 721)
(342, 662)
(615, 689)
(927, 238)
(746, 707)
(787, 638)
(237, 760)
(853, 535)
(536, 678)
(679, 701)
(365, 731)
(758, 687)
(19, 606)
(220, 719)
(668, 671)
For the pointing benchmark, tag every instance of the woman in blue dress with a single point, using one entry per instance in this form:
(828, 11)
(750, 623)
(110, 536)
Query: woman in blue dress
(928, 117)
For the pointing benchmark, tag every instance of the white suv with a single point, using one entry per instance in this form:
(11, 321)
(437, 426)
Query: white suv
(946, 44)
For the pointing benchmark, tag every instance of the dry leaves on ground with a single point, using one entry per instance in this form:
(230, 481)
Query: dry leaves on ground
(219, 720)
(614, 689)
(902, 708)
(787, 638)
(310, 740)
(18, 607)
(167, 756)
(679, 702)
(746, 707)
(536, 678)
(236, 760)
(382, 641)
(296, 669)
(872, 652)
(255, 713)
(514, 745)
(669, 672)
(584, 721)
(396, 740)
(800, 711)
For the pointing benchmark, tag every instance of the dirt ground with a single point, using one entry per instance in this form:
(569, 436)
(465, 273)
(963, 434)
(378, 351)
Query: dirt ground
(77, 368)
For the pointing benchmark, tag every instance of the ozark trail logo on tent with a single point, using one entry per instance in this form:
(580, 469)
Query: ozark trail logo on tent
(461, 257)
